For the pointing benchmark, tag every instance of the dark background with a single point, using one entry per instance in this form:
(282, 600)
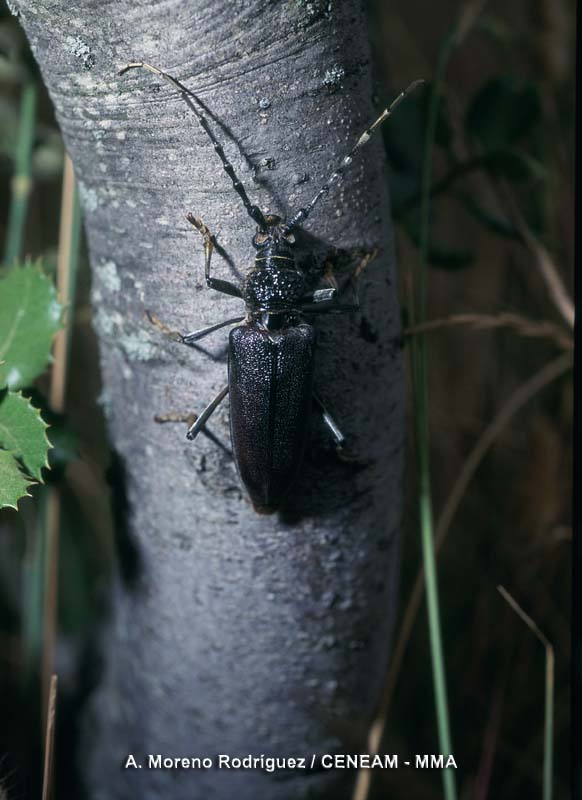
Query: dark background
(509, 82)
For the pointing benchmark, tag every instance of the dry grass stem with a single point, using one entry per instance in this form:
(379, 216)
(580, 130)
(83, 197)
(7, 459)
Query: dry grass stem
(57, 401)
(544, 261)
(549, 691)
(525, 617)
(505, 319)
(49, 739)
(60, 362)
(52, 523)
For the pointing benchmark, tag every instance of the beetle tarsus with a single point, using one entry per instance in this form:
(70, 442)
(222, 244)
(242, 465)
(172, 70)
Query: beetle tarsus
(363, 263)
(176, 336)
(225, 287)
(174, 416)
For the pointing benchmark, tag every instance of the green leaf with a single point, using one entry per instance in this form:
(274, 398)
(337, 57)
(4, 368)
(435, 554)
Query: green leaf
(502, 111)
(30, 315)
(515, 165)
(440, 256)
(498, 225)
(23, 432)
(64, 440)
(13, 483)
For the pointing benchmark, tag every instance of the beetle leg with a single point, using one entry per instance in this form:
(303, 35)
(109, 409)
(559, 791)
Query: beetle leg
(330, 423)
(226, 287)
(354, 278)
(190, 419)
(192, 337)
(323, 300)
(201, 421)
(320, 300)
(320, 296)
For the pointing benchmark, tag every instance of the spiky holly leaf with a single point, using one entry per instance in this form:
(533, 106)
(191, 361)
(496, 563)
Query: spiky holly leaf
(13, 482)
(30, 315)
(23, 432)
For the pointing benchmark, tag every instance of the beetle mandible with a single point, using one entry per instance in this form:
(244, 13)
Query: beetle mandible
(271, 354)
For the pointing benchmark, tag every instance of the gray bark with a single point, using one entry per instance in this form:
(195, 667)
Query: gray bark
(243, 634)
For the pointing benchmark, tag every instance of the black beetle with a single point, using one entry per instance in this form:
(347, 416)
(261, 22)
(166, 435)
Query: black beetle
(271, 354)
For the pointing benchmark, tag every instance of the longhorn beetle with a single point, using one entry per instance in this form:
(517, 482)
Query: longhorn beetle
(271, 354)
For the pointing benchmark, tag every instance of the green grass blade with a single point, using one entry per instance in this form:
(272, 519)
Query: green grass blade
(32, 593)
(419, 373)
(21, 180)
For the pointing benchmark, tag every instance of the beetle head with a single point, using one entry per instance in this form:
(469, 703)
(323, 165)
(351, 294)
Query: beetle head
(275, 236)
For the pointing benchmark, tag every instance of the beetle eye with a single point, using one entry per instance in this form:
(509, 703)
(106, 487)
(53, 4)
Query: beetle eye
(290, 238)
(260, 238)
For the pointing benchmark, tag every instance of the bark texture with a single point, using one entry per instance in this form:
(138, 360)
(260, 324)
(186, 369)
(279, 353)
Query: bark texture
(241, 634)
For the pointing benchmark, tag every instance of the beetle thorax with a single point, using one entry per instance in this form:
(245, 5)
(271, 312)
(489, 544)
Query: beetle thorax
(273, 284)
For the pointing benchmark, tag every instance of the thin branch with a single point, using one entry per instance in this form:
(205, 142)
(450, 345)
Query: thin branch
(505, 319)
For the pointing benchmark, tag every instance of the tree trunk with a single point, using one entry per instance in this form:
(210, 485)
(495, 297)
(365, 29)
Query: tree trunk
(240, 633)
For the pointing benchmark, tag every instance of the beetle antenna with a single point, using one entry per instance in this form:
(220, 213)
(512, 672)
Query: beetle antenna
(253, 211)
(301, 215)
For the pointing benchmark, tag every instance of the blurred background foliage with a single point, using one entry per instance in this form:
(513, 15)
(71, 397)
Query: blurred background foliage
(498, 312)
